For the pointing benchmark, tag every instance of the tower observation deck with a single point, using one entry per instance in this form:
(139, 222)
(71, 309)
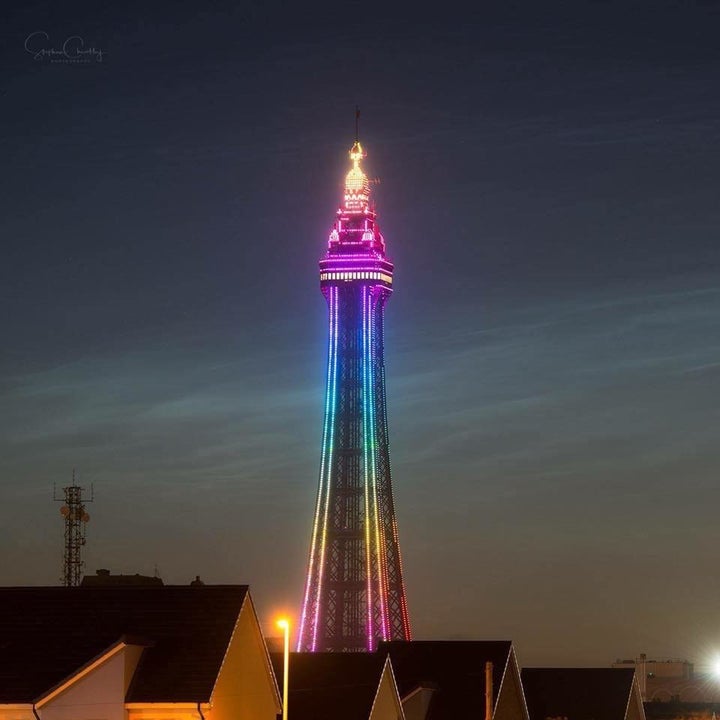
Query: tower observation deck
(354, 594)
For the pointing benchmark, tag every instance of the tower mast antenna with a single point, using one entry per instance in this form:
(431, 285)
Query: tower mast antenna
(357, 124)
(76, 518)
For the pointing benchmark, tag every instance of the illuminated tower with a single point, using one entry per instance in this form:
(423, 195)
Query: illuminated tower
(354, 594)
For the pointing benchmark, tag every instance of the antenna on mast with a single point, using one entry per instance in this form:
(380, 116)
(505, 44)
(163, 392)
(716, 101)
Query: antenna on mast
(357, 123)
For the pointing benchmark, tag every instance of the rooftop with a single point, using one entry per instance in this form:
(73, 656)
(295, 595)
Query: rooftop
(48, 633)
(577, 693)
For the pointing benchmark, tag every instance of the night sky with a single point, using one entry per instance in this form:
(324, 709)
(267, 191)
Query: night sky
(549, 194)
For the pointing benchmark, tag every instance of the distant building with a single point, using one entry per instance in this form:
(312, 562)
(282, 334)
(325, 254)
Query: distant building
(582, 694)
(673, 681)
(133, 652)
(672, 668)
(105, 578)
(676, 710)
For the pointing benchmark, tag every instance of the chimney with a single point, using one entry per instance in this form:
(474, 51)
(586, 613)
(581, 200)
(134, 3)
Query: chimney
(643, 677)
(488, 690)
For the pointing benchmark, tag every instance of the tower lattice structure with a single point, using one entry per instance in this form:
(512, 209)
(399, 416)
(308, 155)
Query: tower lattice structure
(354, 593)
(76, 519)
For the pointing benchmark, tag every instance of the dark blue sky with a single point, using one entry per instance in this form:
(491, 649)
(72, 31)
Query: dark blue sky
(549, 180)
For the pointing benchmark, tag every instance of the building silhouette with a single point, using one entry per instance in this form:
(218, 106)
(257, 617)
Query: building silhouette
(133, 651)
(354, 595)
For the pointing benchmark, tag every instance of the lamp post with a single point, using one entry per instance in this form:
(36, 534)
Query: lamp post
(285, 625)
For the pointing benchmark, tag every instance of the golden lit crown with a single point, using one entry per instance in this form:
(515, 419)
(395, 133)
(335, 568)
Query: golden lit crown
(356, 181)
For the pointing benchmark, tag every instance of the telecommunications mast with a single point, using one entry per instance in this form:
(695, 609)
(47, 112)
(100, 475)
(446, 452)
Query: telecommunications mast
(76, 518)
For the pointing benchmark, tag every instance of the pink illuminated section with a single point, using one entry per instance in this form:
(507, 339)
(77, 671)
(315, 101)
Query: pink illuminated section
(355, 232)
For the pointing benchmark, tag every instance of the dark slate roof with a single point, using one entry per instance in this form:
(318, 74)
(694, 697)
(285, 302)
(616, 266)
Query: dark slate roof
(577, 693)
(328, 686)
(48, 633)
(455, 668)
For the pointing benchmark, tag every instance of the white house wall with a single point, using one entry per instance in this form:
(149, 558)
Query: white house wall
(245, 688)
(99, 695)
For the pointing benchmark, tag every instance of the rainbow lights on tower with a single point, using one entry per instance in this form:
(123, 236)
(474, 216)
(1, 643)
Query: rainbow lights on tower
(354, 594)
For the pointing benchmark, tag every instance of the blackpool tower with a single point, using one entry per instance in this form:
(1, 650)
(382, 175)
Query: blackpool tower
(354, 594)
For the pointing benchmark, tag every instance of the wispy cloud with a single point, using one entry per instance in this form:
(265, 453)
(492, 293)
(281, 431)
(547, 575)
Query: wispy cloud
(559, 384)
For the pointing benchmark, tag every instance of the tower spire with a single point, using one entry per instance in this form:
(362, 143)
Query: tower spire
(357, 124)
(357, 184)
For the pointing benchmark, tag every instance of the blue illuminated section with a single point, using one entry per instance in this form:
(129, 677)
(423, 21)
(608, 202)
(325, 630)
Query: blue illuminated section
(316, 562)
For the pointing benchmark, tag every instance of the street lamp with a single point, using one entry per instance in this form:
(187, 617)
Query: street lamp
(285, 625)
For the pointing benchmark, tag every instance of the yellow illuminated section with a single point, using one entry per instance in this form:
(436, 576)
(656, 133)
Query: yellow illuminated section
(356, 180)
(357, 185)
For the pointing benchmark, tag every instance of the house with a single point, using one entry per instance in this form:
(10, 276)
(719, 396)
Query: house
(674, 682)
(133, 652)
(448, 680)
(329, 686)
(582, 694)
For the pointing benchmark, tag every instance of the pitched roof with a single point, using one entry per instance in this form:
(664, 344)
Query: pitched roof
(326, 686)
(455, 668)
(48, 633)
(577, 693)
